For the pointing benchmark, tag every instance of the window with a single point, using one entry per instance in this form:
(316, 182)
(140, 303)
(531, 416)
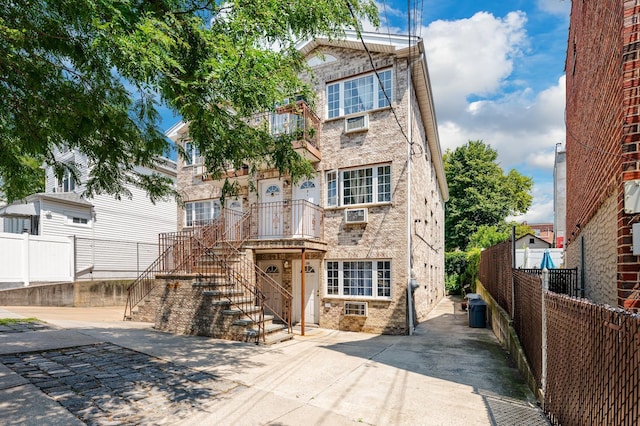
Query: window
(78, 219)
(201, 212)
(359, 94)
(359, 186)
(358, 309)
(359, 278)
(67, 183)
(192, 154)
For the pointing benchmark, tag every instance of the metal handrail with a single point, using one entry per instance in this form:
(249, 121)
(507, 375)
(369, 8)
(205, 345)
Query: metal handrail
(181, 249)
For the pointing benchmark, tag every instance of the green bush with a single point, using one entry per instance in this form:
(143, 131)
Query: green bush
(452, 284)
(470, 274)
(455, 263)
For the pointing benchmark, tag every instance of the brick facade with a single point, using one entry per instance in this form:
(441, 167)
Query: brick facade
(385, 235)
(603, 80)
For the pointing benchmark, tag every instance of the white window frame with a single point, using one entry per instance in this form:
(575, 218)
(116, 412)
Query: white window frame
(336, 107)
(380, 271)
(193, 157)
(66, 183)
(335, 184)
(211, 209)
(77, 219)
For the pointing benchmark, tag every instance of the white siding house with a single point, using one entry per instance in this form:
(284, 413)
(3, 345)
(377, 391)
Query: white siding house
(113, 238)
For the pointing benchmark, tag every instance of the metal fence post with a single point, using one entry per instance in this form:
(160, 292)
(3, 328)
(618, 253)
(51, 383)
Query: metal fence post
(513, 266)
(545, 287)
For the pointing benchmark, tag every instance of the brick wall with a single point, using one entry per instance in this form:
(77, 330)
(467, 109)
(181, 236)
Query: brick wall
(603, 114)
(600, 251)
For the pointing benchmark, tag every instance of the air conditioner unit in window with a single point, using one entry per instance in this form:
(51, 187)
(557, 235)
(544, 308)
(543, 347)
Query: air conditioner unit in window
(199, 170)
(356, 215)
(356, 124)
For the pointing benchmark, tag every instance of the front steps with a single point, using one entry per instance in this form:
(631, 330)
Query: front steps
(186, 304)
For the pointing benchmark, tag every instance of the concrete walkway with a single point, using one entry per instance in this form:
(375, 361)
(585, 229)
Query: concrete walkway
(105, 371)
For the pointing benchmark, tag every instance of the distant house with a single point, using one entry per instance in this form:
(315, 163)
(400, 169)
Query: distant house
(560, 197)
(542, 230)
(531, 241)
(108, 232)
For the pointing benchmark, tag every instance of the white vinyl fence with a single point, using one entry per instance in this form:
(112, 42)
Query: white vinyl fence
(531, 258)
(28, 258)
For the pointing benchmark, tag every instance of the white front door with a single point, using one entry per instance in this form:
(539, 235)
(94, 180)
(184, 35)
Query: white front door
(233, 218)
(311, 286)
(306, 219)
(273, 268)
(270, 208)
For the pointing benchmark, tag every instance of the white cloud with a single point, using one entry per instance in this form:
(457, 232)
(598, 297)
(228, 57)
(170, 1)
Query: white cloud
(541, 210)
(472, 56)
(471, 62)
(555, 7)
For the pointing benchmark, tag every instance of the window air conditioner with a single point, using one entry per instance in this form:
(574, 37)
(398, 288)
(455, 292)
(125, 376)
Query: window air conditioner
(356, 124)
(356, 215)
(199, 170)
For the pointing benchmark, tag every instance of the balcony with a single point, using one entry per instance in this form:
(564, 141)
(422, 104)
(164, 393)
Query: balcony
(299, 120)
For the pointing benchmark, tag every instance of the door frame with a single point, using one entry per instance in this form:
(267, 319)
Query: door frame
(312, 288)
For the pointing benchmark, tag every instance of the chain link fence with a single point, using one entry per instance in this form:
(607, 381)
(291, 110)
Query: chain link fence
(585, 357)
(112, 259)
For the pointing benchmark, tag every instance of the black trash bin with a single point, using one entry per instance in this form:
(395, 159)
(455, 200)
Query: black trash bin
(477, 313)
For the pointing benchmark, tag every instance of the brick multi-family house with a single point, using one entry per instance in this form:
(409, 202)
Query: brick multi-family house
(602, 149)
(349, 242)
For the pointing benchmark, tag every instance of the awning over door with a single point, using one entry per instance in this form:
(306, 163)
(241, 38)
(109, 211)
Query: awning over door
(21, 209)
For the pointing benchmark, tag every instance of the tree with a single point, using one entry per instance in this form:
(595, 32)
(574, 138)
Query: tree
(479, 192)
(487, 236)
(90, 75)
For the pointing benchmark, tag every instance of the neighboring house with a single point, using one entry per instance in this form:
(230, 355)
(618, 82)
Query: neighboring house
(533, 242)
(560, 196)
(108, 232)
(372, 218)
(543, 231)
(603, 135)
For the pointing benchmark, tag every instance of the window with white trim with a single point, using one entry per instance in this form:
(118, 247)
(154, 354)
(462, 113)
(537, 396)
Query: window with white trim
(359, 278)
(359, 186)
(359, 94)
(201, 212)
(192, 154)
(67, 183)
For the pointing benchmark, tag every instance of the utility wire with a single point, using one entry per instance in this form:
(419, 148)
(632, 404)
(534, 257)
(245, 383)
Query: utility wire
(366, 48)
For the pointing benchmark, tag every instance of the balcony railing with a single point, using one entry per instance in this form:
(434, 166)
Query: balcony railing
(287, 219)
(299, 120)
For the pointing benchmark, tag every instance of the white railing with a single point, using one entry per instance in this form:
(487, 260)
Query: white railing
(27, 258)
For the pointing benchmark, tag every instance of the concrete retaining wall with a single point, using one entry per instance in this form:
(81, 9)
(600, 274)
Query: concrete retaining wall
(81, 294)
(500, 322)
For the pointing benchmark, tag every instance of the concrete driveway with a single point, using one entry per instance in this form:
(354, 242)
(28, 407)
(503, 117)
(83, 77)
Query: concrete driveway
(445, 374)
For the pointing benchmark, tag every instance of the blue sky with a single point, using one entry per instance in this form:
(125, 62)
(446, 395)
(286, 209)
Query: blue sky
(497, 74)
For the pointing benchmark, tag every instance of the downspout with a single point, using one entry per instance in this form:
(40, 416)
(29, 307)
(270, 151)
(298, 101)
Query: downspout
(409, 253)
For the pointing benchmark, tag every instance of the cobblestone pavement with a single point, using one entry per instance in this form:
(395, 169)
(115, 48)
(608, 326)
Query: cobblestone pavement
(22, 326)
(106, 384)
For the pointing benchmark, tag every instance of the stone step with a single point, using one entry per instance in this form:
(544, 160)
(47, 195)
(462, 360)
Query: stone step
(274, 333)
(222, 293)
(237, 311)
(244, 321)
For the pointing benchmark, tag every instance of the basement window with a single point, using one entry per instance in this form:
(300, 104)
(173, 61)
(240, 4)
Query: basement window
(358, 309)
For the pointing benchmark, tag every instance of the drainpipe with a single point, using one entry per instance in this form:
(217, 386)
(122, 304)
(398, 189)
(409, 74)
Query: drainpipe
(409, 260)
(302, 301)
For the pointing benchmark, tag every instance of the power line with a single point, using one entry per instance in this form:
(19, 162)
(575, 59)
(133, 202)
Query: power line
(375, 70)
